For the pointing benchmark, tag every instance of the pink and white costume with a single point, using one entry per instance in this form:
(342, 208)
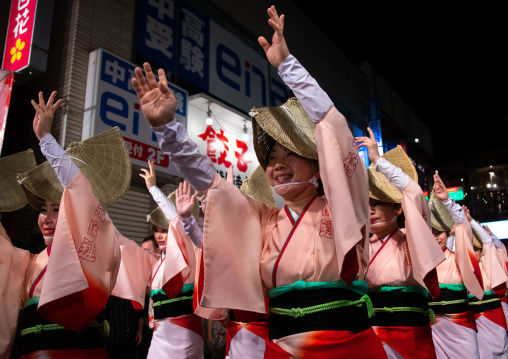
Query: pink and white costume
(323, 250)
(454, 333)
(401, 270)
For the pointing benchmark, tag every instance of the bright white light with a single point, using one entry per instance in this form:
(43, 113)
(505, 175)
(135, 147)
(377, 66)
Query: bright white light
(245, 137)
(488, 185)
(417, 140)
(495, 185)
(209, 120)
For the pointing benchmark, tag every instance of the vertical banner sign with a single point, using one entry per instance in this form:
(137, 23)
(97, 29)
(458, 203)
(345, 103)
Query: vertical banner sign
(18, 42)
(156, 31)
(375, 122)
(111, 101)
(193, 64)
(6, 80)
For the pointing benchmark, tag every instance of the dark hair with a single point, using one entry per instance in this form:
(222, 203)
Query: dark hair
(151, 238)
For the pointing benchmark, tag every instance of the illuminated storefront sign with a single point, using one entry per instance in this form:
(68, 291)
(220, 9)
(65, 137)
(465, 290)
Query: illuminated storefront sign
(111, 101)
(455, 193)
(18, 42)
(207, 55)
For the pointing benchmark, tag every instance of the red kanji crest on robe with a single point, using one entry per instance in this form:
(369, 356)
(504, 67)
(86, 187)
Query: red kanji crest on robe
(350, 163)
(326, 229)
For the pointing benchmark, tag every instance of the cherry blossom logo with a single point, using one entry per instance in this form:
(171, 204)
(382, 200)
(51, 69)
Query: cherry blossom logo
(16, 50)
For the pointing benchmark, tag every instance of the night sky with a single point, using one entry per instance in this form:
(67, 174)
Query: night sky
(449, 64)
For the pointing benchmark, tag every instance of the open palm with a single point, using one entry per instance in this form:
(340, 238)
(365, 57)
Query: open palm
(184, 200)
(157, 101)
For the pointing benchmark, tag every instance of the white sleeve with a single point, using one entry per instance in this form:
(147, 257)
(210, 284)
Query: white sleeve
(455, 210)
(174, 141)
(192, 230)
(61, 162)
(481, 232)
(167, 207)
(392, 173)
(450, 244)
(496, 241)
(314, 100)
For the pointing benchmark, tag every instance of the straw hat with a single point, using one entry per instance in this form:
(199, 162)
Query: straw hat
(477, 240)
(288, 125)
(12, 196)
(441, 219)
(257, 187)
(379, 186)
(103, 159)
(157, 217)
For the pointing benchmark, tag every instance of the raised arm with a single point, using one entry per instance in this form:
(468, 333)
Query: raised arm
(158, 105)
(392, 173)
(61, 162)
(440, 191)
(164, 203)
(314, 100)
(486, 239)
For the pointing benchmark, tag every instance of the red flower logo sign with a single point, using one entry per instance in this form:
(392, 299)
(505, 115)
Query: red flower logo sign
(350, 163)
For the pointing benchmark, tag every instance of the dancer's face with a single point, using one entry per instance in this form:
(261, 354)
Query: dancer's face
(383, 217)
(441, 238)
(161, 237)
(285, 166)
(48, 218)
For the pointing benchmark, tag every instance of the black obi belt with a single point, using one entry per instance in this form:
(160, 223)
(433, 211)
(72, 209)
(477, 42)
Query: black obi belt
(164, 307)
(37, 333)
(488, 302)
(399, 308)
(300, 311)
(450, 302)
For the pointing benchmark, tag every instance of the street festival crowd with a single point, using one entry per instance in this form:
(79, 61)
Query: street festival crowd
(357, 264)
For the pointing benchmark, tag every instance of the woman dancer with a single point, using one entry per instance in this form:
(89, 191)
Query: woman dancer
(490, 319)
(402, 261)
(454, 333)
(67, 285)
(177, 330)
(310, 255)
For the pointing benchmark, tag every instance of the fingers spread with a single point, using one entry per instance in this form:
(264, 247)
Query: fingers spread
(150, 77)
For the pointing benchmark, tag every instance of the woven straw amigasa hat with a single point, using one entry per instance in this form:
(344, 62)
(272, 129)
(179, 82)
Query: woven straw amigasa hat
(441, 219)
(379, 187)
(257, 187)
(477, 240)
(12, 196)
(157, 217)
(288, 125)
(103, 159)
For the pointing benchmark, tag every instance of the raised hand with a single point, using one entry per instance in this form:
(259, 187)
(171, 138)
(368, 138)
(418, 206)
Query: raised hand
(158, 102)
(371, 144)
(149, 175)
(440, 189)
(230, 177)
(487, 229)
(278, 50)
(44, 114)
(184, 200)
(467, 213)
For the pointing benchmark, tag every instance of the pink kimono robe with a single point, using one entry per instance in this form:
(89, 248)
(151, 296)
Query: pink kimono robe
(268, 248)
(454, 334)
(489, 314)
(408, 258)
(71, 286)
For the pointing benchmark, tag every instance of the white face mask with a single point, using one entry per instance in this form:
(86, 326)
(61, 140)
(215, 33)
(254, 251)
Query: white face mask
(313, 181)
(393, 220)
